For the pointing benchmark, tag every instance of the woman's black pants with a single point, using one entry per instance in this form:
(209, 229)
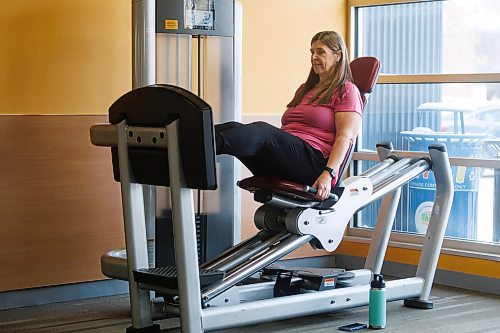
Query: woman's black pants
(269, 151)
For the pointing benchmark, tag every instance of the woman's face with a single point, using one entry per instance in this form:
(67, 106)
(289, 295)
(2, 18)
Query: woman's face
(323, 59)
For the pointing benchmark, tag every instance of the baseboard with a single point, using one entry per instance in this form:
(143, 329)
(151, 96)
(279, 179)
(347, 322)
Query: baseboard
(61, 293)
(442, 277)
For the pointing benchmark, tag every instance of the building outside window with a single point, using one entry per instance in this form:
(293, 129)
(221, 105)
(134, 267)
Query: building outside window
(439, 82)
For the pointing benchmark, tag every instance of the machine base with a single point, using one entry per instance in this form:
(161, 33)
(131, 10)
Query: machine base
(155, 328)
(418, 304)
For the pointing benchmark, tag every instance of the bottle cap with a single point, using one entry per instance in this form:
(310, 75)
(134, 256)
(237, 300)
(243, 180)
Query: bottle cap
(378, 281)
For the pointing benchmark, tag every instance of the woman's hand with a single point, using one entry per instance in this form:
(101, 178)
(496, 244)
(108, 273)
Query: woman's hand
(324, 185)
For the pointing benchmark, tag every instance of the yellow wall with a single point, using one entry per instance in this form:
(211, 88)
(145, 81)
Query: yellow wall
(63, 56)
(276, 41)
(74, 56)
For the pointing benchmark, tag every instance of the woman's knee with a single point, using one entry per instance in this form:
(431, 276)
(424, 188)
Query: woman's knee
(261, 124)
(226, 126)
(263, 129)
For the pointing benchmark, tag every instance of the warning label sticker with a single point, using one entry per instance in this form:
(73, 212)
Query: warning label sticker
(171, 24)
(329, 282)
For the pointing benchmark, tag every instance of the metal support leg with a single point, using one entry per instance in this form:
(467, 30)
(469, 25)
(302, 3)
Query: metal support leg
(135, 234)
(437, 224)
(385, 218)
(186, 255)
(149, 194)
(382, 232)
(496, 207)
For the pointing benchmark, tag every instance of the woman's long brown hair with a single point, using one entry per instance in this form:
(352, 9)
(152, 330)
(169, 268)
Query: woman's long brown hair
(341, 73)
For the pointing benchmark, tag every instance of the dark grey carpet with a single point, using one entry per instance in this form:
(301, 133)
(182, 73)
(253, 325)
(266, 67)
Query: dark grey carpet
(455, 311)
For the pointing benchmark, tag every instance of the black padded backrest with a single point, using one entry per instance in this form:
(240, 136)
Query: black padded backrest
(158, 106)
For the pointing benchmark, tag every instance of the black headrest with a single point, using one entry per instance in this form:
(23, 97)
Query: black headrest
(158, 106)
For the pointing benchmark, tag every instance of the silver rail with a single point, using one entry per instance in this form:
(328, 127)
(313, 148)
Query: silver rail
(397, 180)
(244, 254)
(406, 170)
(271, 255)
(378, 167)
(390, 171)
(235, 249)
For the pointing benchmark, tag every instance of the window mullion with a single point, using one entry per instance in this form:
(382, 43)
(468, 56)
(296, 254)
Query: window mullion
(440, 78)
(366, 3)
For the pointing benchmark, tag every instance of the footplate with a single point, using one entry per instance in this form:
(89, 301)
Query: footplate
(167, 276)
(320, 279)
(317, 279)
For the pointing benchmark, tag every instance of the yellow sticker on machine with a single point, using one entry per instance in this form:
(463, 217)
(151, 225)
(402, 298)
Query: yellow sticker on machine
(171, 24)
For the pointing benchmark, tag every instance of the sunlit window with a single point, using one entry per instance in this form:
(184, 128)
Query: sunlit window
(440, 82)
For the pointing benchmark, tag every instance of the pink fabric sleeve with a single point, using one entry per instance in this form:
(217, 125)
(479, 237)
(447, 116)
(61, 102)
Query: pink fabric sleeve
(351, 101)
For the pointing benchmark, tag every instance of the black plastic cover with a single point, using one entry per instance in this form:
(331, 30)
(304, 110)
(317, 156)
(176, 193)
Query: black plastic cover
(158, 106)
(377, 282)
(167, 276)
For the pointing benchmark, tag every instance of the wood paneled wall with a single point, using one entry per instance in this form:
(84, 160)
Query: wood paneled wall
(60, 210)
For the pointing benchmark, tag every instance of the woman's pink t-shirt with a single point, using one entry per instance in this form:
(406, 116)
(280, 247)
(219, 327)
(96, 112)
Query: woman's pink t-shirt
(315, 123)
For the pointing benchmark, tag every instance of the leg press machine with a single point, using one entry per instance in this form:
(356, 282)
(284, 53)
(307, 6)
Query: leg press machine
(163, 135)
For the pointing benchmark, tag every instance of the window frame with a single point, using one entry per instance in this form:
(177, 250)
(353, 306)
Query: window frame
(468, 248)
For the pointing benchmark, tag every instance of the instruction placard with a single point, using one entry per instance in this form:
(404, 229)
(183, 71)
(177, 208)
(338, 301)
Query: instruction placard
(199, 14)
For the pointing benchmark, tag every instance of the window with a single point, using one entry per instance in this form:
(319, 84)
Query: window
(440, 82)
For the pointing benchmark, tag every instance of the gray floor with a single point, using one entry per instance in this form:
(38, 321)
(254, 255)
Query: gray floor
(455, 311)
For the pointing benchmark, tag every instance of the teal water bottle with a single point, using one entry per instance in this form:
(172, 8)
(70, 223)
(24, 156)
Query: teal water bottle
(377, 305)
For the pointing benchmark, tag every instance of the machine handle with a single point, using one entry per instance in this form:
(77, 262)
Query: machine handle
(313, 190)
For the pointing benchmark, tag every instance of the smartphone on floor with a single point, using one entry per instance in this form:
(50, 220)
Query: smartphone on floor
(353, 327)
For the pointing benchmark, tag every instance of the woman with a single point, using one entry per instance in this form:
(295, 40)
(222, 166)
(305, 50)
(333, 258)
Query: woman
(321, 122)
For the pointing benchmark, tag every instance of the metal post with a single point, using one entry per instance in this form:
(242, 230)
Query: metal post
(143, 43)
(135, 233)
(143, 74)
(496, 207)
(439, 218)
(384, 150)
(382, 232)
(186, 254)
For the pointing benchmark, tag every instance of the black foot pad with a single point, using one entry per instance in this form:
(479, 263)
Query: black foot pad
(418, 304)
(155, 328)
(167, 276)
